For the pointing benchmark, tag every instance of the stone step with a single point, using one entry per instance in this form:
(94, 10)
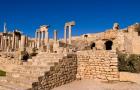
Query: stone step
(42, 60)
(54, 56)
(45, 59)
(25, 79)
(25, 75)
(11, 61)
(29, 72)
(50, 55)
(9, 86)
(31, 67)
(44, 63)
(20, 82)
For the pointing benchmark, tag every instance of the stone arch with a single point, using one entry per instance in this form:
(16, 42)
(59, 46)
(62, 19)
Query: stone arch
(93, 45)
(108, 45)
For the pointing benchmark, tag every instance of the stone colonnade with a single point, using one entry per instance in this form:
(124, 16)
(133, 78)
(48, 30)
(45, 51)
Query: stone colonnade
(10, 41)
(5, 42)
(31, 44)
(68, 26)
(42, 36)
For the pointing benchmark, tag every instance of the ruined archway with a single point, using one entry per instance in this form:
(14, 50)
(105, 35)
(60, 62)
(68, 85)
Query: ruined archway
(93, 45)
(108, 45)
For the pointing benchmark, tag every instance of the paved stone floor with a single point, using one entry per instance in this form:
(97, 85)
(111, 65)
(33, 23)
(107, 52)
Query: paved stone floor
(96, 85)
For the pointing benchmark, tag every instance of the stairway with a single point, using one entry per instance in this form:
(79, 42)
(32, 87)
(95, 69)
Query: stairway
(24, 75)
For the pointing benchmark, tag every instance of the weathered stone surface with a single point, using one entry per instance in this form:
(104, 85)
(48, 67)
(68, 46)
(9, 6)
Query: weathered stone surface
(63, 72)
(101, 65)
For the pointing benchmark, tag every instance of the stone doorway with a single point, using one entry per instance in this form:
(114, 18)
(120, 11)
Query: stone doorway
(93, 45)
(108, 45)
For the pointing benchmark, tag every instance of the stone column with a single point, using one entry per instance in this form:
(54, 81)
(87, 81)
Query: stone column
(42, 38)
(36, 36)
(55, 36)
(27, 41)
(69, 34)
(65, 35)
(9, 43)
(34, 44)
(22, 43)
(31, 44)
(13, 41)
(46, 37)
(69, 25)
(38, 39)
(1, 42)
(5, 43)
(18, 42)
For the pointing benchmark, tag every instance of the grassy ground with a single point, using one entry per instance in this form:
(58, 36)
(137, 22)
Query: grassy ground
(2, 73)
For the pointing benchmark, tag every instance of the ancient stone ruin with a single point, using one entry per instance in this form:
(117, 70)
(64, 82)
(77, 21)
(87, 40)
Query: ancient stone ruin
(42, 63)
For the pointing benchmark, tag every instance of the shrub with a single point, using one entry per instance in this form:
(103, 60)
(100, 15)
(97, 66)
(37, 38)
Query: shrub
(24, 55)
(129, 63)
(122, 62)
(2, 73)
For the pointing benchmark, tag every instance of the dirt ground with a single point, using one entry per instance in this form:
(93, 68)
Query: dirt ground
(89, 85)
(98, 85)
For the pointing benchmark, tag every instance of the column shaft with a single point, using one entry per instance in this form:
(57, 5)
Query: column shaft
(42, 38)
(69, 34)
(55, 36)
(22, 43)
(46, 37)
(36, 36)
(13, 41)
(39, 34)
(65, 36)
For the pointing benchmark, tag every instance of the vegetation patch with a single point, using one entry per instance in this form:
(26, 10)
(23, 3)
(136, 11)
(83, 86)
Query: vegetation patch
(2, 73)
(129, 62)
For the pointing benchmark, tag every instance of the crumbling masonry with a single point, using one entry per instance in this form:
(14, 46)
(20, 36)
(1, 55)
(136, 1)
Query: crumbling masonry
(58, 62)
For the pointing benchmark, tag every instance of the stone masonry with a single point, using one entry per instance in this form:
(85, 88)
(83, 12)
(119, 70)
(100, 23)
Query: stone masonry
(98, 64)
(61, 73)
(84, 65)
(58, 62)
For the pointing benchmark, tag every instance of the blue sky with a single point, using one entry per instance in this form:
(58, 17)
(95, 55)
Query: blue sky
(91, 16)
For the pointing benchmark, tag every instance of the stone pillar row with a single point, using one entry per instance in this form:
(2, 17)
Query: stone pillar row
(13, 41)
(68, 26)
(42, 37)
(10, 42)
(32, 44)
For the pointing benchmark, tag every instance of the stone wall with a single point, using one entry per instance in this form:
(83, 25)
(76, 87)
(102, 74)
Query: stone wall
(61, 73)
(98, 64)
(89, 64)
